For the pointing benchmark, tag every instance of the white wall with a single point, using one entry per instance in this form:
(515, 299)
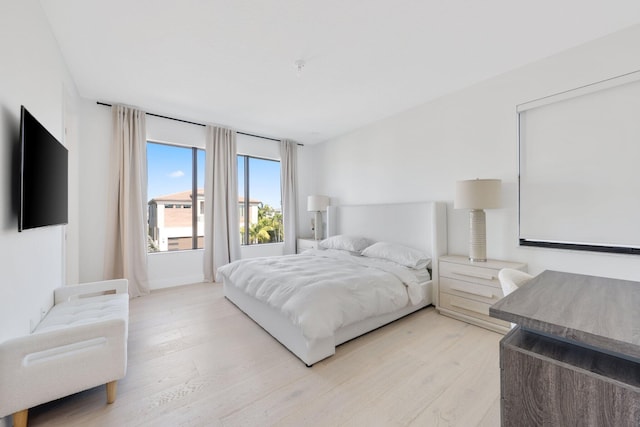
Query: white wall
(421, 153)
(308, 185)
(70, 140)
(95, 131)
(33, 74)
(165, 269)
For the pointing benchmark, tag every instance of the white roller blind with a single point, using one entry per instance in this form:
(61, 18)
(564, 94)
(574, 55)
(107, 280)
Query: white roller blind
(580, 166)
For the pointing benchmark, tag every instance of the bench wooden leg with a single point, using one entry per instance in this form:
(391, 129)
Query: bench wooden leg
(20, 418)
(112, 387)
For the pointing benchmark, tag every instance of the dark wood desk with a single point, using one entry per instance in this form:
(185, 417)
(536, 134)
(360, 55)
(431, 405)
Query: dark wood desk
(574, 358)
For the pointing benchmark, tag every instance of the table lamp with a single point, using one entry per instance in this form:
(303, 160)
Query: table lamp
(317, 204)
(477, 194)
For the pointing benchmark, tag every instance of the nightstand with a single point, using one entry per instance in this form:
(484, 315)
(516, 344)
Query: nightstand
(309, 243)
(467, 289)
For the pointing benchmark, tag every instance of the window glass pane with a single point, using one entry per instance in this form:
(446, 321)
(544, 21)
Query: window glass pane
(265, 209)
(169, 189)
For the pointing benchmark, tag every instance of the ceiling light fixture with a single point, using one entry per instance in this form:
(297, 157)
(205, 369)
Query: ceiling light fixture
(299, 64)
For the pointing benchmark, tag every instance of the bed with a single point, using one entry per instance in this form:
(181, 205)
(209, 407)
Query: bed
(421, 226)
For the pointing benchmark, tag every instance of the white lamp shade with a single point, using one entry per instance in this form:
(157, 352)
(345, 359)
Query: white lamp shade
(477, 194)
(317, 203)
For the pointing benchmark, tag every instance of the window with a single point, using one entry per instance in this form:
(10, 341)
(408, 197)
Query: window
(578, 180)
(175, 177)
(259, 201)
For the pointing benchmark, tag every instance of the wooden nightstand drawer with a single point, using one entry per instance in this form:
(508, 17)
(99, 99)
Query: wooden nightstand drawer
(475, 291)
(467, 289)
(469, 307)
(470, 273)
(304, 244)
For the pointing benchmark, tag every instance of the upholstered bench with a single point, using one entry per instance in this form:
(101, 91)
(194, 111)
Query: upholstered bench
(81, 343)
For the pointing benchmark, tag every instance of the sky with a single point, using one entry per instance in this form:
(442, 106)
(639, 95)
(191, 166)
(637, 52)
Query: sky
(169, 170)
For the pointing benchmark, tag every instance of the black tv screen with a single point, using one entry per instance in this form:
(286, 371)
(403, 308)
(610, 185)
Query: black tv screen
(43, 176)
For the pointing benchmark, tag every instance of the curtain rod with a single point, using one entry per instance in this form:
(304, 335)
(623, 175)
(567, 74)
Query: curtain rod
(199, 124)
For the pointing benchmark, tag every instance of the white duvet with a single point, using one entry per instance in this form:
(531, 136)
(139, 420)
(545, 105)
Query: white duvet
(323, 290)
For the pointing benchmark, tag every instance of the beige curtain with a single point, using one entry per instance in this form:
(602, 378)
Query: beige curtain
(126, 226)
(221, 229)
(289, 193)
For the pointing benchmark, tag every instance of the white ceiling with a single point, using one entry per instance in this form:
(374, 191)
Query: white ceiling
(232, 62)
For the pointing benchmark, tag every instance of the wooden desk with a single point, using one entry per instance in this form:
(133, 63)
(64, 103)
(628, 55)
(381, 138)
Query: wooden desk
(574, 358)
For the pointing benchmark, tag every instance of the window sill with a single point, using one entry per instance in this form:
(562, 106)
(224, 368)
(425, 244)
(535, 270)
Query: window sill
(184, 251)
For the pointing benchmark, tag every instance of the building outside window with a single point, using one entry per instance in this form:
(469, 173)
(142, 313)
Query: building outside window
(171, 221)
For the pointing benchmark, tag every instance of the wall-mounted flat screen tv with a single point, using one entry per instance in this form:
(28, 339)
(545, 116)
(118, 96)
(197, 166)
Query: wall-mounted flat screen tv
(43, 176)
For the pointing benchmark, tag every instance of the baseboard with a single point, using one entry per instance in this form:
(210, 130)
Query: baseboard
(175, 281)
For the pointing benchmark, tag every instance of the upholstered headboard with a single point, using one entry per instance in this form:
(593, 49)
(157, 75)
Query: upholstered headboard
(419, 225)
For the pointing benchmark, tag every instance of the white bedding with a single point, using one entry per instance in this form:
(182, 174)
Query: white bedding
(323, 290)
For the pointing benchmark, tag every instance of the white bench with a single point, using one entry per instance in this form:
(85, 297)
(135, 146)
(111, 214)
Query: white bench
(81, 343)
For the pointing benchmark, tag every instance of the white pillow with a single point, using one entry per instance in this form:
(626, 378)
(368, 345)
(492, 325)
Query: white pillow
(346, 243)
(399, 254)
(340, 252)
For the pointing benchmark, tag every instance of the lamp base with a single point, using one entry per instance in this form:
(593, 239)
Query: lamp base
(318, 226)
(478, 236)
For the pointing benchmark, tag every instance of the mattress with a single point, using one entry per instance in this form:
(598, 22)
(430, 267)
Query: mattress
(321, 291)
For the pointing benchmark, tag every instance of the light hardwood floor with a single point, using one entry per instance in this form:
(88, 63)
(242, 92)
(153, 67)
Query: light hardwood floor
(196, 360)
